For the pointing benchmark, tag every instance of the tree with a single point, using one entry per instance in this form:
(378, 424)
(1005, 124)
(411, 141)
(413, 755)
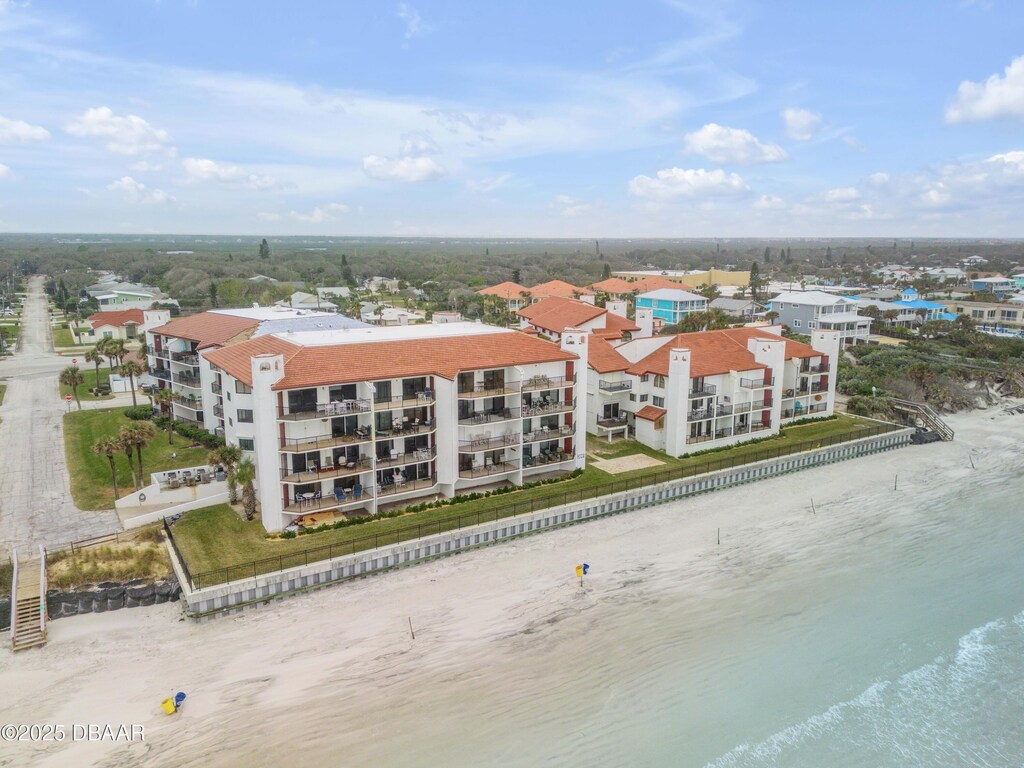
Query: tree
(140, 433)
(72, 378)
(771, 316)
(227, 456)
(213, 294)
(709, 291)
(755, 281)
(244, 476)
(164, 399)
(125, 443)
(108, 448)
(264, 249)
(606, 271)
(890, 316)
(131, 369)
(516, 274)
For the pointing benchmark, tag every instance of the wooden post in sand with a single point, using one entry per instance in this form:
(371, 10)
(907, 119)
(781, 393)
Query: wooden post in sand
(410, 629)
(894, 481)
(972, 461)
(813, 511)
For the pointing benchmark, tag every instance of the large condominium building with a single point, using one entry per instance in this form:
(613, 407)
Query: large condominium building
(805, 311)
(339, 421)
(695, 391)
(174, 349)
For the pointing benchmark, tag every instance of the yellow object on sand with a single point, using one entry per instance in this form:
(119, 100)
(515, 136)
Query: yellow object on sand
(167, 705)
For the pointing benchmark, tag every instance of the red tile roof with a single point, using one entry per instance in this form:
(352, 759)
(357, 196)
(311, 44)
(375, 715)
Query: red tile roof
(615, 326)
(650, 413)
(506, 290)
(619, 286)
(117, 318)
(340, 363)
(603, 358)
(716, 352)
(558, 288)
(557, 314)
(208, 328)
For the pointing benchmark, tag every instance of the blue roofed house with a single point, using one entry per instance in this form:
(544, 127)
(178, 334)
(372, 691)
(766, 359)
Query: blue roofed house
(671, 305)
(997, 286)
(933, 310)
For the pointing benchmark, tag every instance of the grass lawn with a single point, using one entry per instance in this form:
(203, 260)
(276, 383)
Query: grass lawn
(62, 338)
(91, 486)
(216, 537)
(3, 391)
(89, 374)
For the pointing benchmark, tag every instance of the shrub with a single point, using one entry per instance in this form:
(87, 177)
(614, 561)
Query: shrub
(139, 413)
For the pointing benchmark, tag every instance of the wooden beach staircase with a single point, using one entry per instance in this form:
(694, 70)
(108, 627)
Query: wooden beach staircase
(28, 606)
(926, 414)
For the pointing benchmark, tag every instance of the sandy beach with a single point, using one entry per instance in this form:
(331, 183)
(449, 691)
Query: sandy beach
(337, 677)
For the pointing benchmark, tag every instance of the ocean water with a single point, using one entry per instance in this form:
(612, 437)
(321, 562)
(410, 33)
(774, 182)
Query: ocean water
(895, 640)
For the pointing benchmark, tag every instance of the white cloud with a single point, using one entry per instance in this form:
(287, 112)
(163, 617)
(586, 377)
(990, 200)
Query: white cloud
(128, 135)
(143, 166)
(801, 124)
(1012, 162)
(736, 146)
(879, 179)
(936, 195)
(673, 183)
(5, 171)
(201, 170)
(137, 192)
(320, 214)
(489, 184)
(418, 144)
(407, 169)
(770, 203)
(415, 26)
(996, 97)
(19, 130)
(569, 206)
(841, 195)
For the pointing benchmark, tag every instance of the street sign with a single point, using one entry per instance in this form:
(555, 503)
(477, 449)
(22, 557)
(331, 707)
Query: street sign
(67, 396)
(74, 361)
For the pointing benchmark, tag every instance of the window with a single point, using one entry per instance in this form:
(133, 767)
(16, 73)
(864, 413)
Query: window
(645, 377)
(632, 397)
(659, 382)
(242, 388)
(247, 444)
(643, 398)
(796, 323)
(228, 393)
(795, 306)
(658, 401)
(811, 324)
(244, 416)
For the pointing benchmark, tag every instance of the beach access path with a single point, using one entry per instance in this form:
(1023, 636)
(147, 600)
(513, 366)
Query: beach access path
(35, 488)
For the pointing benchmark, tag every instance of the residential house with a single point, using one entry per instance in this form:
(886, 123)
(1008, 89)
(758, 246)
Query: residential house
(387, 315)
(561, 290)
(309, 301)
(553, 317)
(991, 315)
(998, 286)
(741, 309)
(804, 311)
(692, 278)
(112, 294)
(620, 288)
(670, 305)
(514, 295)
(127, 324)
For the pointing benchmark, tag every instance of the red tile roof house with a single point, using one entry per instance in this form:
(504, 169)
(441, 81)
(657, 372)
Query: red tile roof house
(346, 421)
(551, 317)
(511, 293)
(695, 391)
(124, 324)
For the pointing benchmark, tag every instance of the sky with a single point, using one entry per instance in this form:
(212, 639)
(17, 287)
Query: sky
(659, 118)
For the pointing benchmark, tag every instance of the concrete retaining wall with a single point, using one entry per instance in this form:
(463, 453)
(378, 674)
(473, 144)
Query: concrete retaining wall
(226, 598)
(160, 514)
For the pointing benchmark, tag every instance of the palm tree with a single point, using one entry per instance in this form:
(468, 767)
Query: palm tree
(131, 369)
(244, 475)
(117, 351)
(103, 348)
(227, 456)
(95, 356)
(126, 443)
(771, 316)
(108, 448)
(140, 433)
(164, 398)
(72, 378)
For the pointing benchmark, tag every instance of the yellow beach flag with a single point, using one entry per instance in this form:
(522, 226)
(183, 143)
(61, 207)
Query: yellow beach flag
(579, 571)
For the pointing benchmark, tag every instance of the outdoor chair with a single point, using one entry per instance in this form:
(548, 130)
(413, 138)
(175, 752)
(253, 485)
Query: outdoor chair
(339, 494)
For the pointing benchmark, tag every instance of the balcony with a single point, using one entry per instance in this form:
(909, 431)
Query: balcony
(186, 380)
(705, 390)
(757, 383)
(540, 409)
(693, 439)
(304, 504)
(809, 370)
(548, 382)
(818, 408)
(160, 373)
(818, 387)
(490, 469)
(216, 387)
(702, 414)
(614, 422)
(326, 473)
(496, 389)
(489, 417)
(218, 411)
(411, 457)
(318, 442)
(187, 358)
(614, 386)
(163, 354)
(398, 485)
(541, 434)
(405, 428)
(759, 427)
(407, 400)
(192, 403)
(488, 443)
(547, 457)
(324, 410)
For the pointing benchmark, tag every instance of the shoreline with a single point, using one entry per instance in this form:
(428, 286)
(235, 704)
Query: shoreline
(336, 671)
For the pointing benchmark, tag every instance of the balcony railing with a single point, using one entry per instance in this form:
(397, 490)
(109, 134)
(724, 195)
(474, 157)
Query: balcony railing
(757, 383)
(323, 410)
(347, 469)
(812, 369)
(759, 427)
(493, 390)
(490, 442)
(409, 400)
(218, 411)
(186, 380)
(404, 486)
(193, 403)
(304, 444)
(315, 502)
(490, 469)
(550, 457)
(548, 382)
(703, 391)
(189, 358)
(405, 428)
(818, 408)
(613, 423)
(539, 409)
(410, 457)
(614, 386)
(216, 388)
(488, 417)
(699, 439)
(550, 434)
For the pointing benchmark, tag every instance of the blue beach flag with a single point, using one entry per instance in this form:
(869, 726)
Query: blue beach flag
(581, 571)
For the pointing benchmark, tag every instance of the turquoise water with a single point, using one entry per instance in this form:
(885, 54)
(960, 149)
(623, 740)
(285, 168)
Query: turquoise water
(896, 640)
